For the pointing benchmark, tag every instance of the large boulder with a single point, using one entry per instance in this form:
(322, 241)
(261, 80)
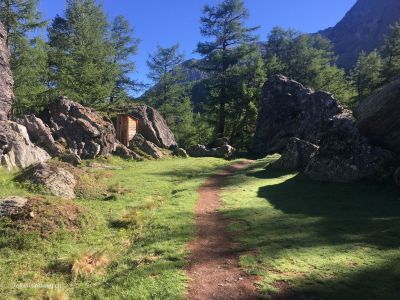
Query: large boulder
(58, 181)
(81, 129)
(145, 146)
(16, 149)
(10, 205)
(179, 152)
(153, 127)
(6, 80)
(296, 156)
(291, 110)
(224, 151)
(345, 156)
(378, 117)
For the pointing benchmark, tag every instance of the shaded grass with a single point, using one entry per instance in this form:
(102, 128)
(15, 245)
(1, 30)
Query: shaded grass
(153, 201)
(313, 240)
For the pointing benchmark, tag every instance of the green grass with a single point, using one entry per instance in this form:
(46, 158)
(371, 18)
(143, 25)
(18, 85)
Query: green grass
(142, 229)
(320, 240)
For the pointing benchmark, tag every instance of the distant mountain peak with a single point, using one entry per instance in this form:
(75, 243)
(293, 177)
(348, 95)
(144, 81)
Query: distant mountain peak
(363, 28)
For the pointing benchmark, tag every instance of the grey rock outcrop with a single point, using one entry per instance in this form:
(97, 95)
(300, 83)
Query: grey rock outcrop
(59, 181)
(225, 151)
(153, 127)
(297, 155)
(149, 148)
(180, 152)
(16, 149)
(290, 110)
(81, 129)
(345, 156)
(10, 205)
(6, 80)
(378, 117)
(40, 134)
(126, 153)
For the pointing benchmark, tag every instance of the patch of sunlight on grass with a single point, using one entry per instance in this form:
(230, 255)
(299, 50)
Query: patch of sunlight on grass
(154, 202)
(318, 240)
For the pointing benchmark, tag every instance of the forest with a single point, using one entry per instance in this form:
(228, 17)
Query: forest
(90, 60)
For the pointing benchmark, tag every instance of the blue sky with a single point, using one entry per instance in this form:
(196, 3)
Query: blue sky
(166, 22)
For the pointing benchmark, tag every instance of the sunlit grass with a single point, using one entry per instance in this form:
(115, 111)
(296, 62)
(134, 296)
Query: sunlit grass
(318, 240)
(141, 230)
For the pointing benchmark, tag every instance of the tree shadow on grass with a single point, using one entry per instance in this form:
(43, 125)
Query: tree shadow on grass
(312, 222)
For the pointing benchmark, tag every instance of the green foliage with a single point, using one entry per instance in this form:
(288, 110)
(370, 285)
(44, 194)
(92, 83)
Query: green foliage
(164, 72)
(125, 46)
(146, 253)
(169, 96)
(28, 56)
(307, 59)
(391, 54)
(229, 43)
(31, 74)
(367, 74)
(81, 54)
(19, 17)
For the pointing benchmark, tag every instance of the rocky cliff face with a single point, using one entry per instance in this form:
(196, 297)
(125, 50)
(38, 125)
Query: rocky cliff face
(363, 28)
(6, 81)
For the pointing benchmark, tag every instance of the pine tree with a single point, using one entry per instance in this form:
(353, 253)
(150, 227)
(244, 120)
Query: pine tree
(164, 72)
(81, 54)
(391, 54)
(229, 41)
(366, 74)
(125, 46)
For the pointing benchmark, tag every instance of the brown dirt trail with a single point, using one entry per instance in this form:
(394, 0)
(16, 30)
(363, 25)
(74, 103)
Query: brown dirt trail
(214, 262)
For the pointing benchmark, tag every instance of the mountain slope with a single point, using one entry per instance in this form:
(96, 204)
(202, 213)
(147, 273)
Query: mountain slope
(363, 28)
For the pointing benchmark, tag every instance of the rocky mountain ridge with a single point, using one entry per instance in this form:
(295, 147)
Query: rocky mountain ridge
(363, 28)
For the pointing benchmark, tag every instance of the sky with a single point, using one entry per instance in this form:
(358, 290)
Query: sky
(167, 22)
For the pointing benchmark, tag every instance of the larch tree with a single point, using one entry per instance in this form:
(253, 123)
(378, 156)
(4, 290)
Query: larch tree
(367, 74)
(168, 95)
(228, 42)
(21, 19)
(125, 47)
(164, 72)
(82, 55)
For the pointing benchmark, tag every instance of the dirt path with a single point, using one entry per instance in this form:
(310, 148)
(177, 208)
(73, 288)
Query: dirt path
(214, 264)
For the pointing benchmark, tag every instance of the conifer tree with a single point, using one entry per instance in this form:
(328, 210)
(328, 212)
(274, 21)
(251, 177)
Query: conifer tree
(366, 74)
(125, 47)
(228, 43)
(81, 54)
(164, 72)
(307, 59)
(19, 17)
(28, 54)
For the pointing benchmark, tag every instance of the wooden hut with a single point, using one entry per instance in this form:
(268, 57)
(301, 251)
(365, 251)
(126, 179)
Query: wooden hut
(127, 127)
